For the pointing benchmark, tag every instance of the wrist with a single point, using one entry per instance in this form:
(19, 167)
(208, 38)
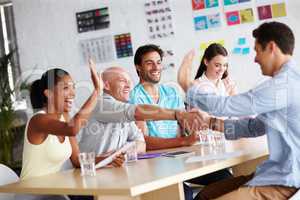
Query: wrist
(212, 123)
(177, 115)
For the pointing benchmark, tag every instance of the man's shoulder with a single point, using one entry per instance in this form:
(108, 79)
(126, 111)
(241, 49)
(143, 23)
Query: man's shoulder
(136, 94)
(137, 89)
(169, 89)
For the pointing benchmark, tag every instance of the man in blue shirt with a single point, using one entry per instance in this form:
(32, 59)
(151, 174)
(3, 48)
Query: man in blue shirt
(165, 133)
(276, 105)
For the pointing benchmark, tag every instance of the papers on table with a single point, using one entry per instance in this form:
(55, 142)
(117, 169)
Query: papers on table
(110, 158)
(220, 156)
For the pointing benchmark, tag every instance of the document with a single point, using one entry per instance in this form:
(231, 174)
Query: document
(110, 158)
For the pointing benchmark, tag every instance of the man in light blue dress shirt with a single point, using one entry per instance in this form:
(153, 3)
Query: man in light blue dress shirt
(276, 105)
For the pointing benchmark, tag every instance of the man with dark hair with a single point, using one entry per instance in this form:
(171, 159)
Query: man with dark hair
(163, 134)
(276, 105)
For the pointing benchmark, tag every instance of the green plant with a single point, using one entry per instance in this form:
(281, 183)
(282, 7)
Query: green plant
(7, 114)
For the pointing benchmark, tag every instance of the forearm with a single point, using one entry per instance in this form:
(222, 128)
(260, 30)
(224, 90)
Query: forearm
(244, 128)
(150, 112)
(237, 106)
(235, 129)
(80, 119)
(155, 143)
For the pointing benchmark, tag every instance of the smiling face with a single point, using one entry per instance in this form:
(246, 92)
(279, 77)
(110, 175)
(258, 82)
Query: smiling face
(118, 84)
(62, 95)
(216, 67)
(150, 68)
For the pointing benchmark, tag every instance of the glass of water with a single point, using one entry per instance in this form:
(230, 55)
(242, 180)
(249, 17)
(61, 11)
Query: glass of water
(87, 164)
(131, 153)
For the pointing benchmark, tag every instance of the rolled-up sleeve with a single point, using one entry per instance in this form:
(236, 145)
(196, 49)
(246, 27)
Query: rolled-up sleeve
(235, 129)
(111, 110)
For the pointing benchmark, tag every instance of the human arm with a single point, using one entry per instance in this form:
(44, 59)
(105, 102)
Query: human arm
(109, 110)
(184, 76)
(269, 96)
(235, 129)
(155, 143)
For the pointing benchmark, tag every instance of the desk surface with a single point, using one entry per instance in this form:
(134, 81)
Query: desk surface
(142, 176)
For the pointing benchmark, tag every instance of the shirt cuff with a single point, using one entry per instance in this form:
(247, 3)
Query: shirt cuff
(229, 130)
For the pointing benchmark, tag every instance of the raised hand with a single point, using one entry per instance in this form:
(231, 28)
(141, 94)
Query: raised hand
(184, 76)
(95, 77)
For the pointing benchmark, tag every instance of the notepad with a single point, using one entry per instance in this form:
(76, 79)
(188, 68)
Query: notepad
(220, 156)
(110, 158)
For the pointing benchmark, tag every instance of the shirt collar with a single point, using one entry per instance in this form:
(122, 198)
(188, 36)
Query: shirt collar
(285, 66)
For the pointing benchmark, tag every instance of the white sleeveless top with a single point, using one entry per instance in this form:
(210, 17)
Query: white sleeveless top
(45, 158)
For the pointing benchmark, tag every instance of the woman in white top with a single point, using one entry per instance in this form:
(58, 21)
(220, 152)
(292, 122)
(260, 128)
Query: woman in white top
(212, 77)
(212, 74)
(50, 134)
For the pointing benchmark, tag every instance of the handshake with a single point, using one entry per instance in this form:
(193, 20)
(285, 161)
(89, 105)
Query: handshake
(194, 120)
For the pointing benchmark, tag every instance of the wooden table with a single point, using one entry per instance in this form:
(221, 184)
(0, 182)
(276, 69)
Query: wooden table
(158, 178)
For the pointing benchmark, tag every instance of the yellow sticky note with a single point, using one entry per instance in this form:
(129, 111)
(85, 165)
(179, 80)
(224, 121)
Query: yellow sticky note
(222, 42)
(278, 10)
(203, 46)
(246, 15)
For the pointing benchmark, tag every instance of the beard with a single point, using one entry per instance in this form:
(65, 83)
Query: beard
(150, 79)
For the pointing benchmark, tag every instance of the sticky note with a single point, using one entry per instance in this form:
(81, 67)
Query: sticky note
(246, 51)
(237, 50)
(242, 41)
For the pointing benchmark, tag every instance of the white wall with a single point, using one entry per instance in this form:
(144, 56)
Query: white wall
(47, 36)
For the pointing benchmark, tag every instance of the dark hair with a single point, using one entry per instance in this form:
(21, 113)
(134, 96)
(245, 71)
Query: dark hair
(210, 52)
(142, 50)
(278, 32)
(48, 80)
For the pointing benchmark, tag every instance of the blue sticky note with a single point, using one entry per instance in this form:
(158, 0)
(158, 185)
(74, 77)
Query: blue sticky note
(242, 41)
(246, 51)
(237, 50)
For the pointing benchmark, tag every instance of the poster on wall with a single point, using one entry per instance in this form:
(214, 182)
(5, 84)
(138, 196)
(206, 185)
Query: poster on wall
(234, 2)
(123, 45)
(92, 20)
(271, 10)
(204, 22)
(239, 16)
(168, 59)
(159, 19)
(100, 49)
(204, 4)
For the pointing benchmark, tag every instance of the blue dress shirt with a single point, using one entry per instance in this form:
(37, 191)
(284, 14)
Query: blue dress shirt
(276, 104)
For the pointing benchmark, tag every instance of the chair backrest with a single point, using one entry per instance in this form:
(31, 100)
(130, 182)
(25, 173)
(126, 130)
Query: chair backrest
(296, 196)
(7, 176)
